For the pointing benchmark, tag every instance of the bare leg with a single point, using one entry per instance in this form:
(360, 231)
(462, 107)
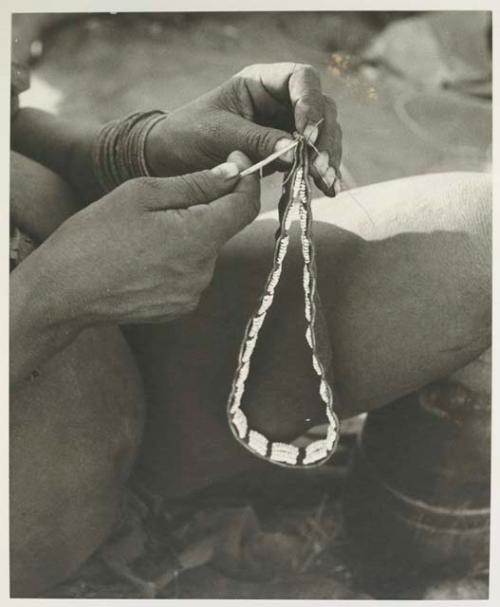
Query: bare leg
(74, 429)
(407, 300)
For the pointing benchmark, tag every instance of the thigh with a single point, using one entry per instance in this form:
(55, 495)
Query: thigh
(404, 275)
(74, 429)
(39, 199)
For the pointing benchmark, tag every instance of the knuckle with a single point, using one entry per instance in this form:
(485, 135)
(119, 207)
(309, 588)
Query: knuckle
(257, 139)
(196, 188)
(306, 68)
(145, 186)
(308, 73)
(190, 188)
(312, 99)
(249, 71)
(144, 190)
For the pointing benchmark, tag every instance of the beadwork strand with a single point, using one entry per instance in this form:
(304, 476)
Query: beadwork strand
(281, 453)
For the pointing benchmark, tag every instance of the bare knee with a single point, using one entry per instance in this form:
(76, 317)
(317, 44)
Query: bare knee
(40, 200)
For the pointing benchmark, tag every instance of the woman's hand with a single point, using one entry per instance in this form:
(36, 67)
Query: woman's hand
(147, 250)
(143, 253)
(255, 111)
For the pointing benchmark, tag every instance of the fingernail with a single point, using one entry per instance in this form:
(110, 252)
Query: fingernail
(321, 163)
(311, 132)
(329, 177)
(280, 145)
(227, 170)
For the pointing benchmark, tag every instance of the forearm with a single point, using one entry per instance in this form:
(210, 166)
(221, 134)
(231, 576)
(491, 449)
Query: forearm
(62, 145)
(39, 325)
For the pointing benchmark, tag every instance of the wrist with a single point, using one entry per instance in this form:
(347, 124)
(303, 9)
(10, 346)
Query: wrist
(43, 289)
(42, 319)
(160, 148)
(82, 174)
(120, 149)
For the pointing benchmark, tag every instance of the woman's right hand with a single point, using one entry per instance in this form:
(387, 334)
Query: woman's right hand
(146, 251)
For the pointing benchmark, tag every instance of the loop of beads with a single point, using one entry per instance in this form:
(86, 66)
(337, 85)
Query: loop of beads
(318, 451)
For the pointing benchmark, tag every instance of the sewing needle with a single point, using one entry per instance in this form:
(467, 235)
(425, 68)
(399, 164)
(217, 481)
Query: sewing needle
(262, 163)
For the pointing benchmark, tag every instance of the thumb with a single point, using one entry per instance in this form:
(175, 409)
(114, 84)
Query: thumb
(192, 189)
(229, 214)
(254, 140)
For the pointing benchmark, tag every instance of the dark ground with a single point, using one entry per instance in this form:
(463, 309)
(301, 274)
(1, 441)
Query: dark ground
(244, 542)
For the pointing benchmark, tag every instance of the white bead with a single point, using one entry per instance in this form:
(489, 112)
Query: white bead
(331, 437)
(324, 391)
(281, 452)
(283, 247)
(265, 304)
(243, 374)
(308, 308)
(306, 279)
(256, 325)
(274, 279)
(331, 418)
(305, 252)
(249, 348)
(314, 452)
(309, 337)
(240, 422)
(258, 442)
(317, 365)
(289, 218)
(303, 218)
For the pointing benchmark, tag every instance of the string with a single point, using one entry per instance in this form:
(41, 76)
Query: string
(351, 195)
(346, 190)
(259, 166)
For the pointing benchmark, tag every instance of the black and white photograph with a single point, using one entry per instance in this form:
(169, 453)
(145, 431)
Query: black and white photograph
(250, 314)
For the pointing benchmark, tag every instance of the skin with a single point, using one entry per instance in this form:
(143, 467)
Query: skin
(95, 268)
(255, 111)
(75, 428)
(163, 235)
(407, 301)
(384, 345)
(81, 412)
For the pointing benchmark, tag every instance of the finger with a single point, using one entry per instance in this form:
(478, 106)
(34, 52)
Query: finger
(254, 101)
(240, 160)
(227, 216)
(255, 140)
(183, 191)
(304, 88)
(325, 166)
(270, 77)
(290, 83)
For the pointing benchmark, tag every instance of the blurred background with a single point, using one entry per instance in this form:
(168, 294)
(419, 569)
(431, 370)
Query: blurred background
(413, 89)
(414, 96)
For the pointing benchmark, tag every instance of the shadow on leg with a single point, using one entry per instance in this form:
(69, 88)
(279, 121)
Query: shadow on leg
(407, 300)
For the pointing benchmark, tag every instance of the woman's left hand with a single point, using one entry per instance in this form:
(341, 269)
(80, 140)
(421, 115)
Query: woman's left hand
(255, 111)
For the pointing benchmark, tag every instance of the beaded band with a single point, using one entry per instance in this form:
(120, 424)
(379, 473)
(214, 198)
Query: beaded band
(296, 196)
(119, 152)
